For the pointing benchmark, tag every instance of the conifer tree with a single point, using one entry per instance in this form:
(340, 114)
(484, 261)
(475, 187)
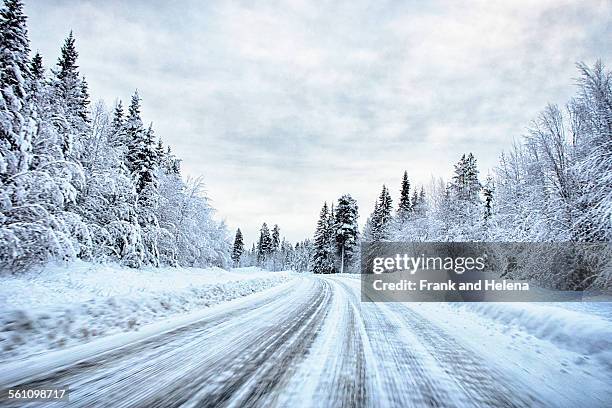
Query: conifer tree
(15, 132)
(264, 245)
(404, 207)
(160, 153)
(415, 200)
(275, 238)
(141, 157)
(346, 230)
(381, 216)
(465, 185)
(323, 257)
(238, 248)
(488, 191)
(36, 67)
(70, 100)
(117, 137)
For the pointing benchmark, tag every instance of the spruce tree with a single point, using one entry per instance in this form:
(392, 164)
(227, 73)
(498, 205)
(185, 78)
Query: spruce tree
(238, 248)
(14, 48)
(84, 102)
(381, 216)
(415, 200)
(488, 191)
(37, 82)
(15, 134)
(117, 138)
(323, 258)
(36, 67)
(264, 245)
(160, 153)
(275, 238)
(404, 207)
(465, 184)
(141, 158)
(346, 230)
(70, 99)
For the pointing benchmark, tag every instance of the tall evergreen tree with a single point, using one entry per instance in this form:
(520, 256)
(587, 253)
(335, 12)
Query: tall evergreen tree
(404, 207)
(346, 230)
(84, 102)
(36, 67)
(160, 153)
(117, 137)
(264, 245)
(141, 158)
(70, 100)
(323, 257)
(275, 238)
(238, 248)
(15, 132)
(488, 191)
(465, 185)
(381, 216)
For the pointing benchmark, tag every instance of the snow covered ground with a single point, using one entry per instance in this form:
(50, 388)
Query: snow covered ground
(64, 305)
(311, 341)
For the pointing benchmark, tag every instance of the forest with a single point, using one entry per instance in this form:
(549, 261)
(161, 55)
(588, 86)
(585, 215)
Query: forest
(554, 185)
(85, 181)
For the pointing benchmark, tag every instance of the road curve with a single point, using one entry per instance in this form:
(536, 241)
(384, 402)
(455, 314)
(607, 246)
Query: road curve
(313, 344)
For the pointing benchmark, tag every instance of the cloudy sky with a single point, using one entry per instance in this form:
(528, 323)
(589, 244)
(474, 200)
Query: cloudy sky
(283, 105)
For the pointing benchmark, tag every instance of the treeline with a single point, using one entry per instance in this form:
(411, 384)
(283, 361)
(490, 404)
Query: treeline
(554, 185)
(336, 239)
(81, 182)
(272, 252)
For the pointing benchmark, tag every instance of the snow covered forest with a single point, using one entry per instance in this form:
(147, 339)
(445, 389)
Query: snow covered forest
(554, 185)
(84, 181)
(80, 180)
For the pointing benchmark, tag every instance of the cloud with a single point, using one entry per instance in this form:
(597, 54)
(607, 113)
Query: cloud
(282, 105)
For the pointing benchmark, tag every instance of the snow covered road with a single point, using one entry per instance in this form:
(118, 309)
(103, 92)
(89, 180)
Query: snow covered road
(312, 342)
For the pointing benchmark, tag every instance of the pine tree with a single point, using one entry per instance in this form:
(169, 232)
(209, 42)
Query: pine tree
(346, 230)
(84, 102)
(238, 248)
(160, 153)
(141, 158)
(264, 245)
(323, 258)
(145, 175)
(465, 185)
(117, 137)
(70, 100)
(488, 191)
(381, 216)
(15, 132)
(275, 238)
(37, 82)
(422, 202)
(36, 67)
(404, 208)
(15, 48)
(415, 200)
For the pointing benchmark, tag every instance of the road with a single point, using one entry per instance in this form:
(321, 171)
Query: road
(314, 343)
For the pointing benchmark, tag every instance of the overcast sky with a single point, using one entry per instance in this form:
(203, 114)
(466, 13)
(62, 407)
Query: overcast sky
(283, 105)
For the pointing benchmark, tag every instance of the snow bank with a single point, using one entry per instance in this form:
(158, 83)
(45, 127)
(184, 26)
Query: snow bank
(61, 306)
(574, 330)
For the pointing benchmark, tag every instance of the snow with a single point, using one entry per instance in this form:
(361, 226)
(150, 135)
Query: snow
(576, 331)
(63, 305)
(564, 344)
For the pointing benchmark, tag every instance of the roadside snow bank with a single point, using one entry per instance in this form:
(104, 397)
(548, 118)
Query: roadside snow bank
(573, 330)
(62, 306)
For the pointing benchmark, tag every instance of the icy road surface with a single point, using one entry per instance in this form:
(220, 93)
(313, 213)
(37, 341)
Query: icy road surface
(312, 342)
